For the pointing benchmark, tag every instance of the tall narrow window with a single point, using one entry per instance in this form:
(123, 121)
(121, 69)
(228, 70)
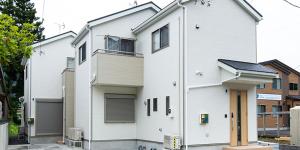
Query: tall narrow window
(154, 104)
(160, 38)
(82, 53)
(168, 105)
(148, 107)
(276, 84)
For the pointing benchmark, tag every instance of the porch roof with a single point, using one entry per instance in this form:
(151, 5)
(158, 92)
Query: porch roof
(233, 71)
(247, 66)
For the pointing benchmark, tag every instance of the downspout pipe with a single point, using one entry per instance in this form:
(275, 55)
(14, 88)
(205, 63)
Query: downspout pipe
(91, 88)
(185, 89)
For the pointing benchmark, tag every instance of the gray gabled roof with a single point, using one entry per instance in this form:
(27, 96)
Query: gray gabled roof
(246, 66)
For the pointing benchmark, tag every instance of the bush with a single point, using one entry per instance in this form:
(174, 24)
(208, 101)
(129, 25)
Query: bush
(13, 129)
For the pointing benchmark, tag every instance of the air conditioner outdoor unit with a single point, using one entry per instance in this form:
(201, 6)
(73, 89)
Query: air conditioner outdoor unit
(75, 134)
(172, 142)
(295, 125)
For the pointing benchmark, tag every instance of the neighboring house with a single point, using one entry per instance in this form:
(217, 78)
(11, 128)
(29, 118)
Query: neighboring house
(279, 96)
(187, 70)
(3, 97)
(43, 97)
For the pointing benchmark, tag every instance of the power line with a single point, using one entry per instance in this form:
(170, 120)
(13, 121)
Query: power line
(291, 4)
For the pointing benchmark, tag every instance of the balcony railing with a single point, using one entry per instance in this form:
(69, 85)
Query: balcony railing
(118, 68)
(116, 52)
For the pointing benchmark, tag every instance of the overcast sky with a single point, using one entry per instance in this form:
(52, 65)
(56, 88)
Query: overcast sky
(278, 34)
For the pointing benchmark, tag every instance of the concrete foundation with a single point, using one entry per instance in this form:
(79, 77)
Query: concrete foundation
(250, 147)
(45, 139)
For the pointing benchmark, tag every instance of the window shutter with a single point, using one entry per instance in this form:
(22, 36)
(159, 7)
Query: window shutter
(119, 108)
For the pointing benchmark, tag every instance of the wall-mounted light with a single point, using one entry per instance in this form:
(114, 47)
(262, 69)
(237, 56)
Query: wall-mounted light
(198, 73)
(197, 26)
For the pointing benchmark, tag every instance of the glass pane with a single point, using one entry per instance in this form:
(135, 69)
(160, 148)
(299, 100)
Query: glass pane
(155, 40)
(164, 33)
(113, 43)
(83, 53)
(127, 46)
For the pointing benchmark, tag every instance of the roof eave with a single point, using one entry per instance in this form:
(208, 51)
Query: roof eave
(164, 12)
(54, 38)
(250, 9)
(80, 35)
(113, 16)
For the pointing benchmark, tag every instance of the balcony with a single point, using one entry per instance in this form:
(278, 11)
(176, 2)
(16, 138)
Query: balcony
(116, 68)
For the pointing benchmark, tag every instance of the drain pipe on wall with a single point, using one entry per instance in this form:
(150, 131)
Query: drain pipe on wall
(90, 86)
(185, 89)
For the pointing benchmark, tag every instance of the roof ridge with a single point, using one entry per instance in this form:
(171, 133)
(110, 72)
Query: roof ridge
(54, 37)
(284, 66)
(117, 12)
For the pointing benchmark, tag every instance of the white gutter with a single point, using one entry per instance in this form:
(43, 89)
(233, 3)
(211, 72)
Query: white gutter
(216, 84)
(185, 89)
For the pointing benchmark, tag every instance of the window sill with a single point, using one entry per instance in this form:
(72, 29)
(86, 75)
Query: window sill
(154, 51)
(81, 62)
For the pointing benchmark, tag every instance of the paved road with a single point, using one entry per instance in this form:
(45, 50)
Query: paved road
(41, 147)
(63, 147)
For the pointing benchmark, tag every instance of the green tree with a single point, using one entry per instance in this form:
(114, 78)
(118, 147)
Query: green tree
(14, 44)
(22, 11)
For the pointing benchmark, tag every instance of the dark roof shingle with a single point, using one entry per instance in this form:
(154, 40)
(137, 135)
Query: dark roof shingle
(247, 66)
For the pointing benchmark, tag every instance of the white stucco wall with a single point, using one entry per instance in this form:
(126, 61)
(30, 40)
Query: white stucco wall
(226, 32)
(45, 73)
(82, 88)
(120, 27)
(162, 69)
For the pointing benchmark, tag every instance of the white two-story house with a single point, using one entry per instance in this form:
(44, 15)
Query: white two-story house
(43, 94)
(188, 70)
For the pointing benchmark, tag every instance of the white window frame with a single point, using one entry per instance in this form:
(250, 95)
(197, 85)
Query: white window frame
(80, 53)
(160, 39)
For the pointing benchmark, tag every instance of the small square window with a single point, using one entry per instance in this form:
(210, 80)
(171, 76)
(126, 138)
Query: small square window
(276, 84)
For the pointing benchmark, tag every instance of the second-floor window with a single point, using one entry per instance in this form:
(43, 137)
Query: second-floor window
(121, 45)
(82, 53)
(160, 38)
(293, 86)
(276, 84)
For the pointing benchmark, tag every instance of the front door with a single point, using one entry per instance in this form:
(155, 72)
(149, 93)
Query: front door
(238, 118)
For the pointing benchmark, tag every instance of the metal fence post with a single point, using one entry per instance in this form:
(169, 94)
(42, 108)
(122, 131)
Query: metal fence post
(278, 128)
(264, 124)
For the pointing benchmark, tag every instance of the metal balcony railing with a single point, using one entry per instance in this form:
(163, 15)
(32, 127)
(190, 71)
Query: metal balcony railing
(116, 52)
